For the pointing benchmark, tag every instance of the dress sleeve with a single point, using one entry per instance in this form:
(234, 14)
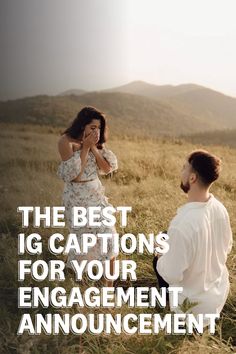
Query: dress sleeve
(111, 159)
(69, 169)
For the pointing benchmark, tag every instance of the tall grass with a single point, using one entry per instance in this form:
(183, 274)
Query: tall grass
(147, 180)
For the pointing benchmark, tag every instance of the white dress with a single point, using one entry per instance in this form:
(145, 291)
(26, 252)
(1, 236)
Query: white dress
(85, 195)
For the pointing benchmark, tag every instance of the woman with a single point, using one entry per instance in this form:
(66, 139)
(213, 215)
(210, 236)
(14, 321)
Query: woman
(83, 154)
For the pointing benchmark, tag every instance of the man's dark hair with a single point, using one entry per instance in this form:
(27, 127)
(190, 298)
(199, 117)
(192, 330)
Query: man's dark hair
(206, 165)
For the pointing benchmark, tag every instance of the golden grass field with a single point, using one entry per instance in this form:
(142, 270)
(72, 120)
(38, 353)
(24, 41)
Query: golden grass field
(148, 180)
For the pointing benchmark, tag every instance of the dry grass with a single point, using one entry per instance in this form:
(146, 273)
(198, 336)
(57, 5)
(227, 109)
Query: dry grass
(147, 180)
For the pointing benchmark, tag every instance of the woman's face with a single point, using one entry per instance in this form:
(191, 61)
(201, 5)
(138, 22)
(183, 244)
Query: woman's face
(95, 125)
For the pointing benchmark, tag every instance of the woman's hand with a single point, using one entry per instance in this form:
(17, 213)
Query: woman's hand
(91, 140)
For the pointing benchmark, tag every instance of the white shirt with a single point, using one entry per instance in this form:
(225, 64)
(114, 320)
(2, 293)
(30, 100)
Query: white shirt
(200, 239)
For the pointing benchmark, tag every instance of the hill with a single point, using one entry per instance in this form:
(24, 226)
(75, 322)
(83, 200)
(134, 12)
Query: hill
(154, 91)
(72, 92)
(138, 108)
(128, 113)
(142, 116)
(209, 105)
(212, 106)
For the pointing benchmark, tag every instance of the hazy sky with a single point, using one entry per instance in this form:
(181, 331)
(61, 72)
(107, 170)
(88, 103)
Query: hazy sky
(49, 46)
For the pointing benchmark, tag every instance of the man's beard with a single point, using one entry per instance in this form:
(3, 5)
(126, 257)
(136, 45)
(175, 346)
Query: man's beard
(185, 187)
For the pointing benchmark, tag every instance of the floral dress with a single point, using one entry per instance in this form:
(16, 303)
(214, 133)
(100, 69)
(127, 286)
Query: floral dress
(85, 195)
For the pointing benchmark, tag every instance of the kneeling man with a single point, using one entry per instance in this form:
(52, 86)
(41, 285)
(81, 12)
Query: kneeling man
(200, 238)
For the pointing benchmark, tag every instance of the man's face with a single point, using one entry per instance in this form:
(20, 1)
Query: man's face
(186, 173)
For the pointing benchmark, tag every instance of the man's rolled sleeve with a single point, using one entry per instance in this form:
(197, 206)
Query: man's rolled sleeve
(172, 264)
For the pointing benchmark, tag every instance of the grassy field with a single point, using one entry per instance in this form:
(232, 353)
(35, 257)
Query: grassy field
(147, 180)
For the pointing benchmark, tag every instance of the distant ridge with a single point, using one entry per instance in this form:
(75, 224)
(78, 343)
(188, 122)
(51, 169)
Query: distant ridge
(154, 91)
(212, 106)
(142, 109)
(76, 92)
(128, 114)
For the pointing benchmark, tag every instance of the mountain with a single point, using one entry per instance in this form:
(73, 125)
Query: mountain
(204, 103)
(153, 91)
(134, 114)
(128, 114)
(209, 105)
(76, 92)
(42, 109)
(138, 108)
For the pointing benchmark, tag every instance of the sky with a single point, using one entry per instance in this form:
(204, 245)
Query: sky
(50, 46)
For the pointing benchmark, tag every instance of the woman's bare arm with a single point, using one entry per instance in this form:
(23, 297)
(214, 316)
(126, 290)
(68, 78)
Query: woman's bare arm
(101, 162)
(65, 147)
(84, 158)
